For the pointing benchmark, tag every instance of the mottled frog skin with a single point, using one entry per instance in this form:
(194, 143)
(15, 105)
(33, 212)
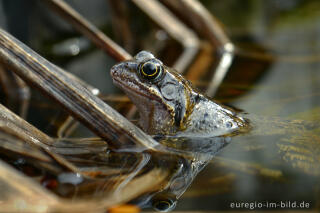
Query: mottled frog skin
(167, 103)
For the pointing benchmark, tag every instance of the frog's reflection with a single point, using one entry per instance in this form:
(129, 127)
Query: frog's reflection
(183, 169)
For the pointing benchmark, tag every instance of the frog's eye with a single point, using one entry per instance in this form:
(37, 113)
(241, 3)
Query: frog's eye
(151, 70)
(164, 205)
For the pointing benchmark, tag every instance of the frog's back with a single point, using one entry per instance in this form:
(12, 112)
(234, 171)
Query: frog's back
(210, 119)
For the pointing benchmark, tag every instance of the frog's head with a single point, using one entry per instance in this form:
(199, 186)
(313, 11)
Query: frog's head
(163, 97)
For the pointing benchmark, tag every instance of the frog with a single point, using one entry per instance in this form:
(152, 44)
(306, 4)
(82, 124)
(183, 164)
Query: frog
(168, 104)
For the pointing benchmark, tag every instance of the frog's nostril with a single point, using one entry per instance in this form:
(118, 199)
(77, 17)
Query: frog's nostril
(131, 65)
(112, 72)
(115, 70)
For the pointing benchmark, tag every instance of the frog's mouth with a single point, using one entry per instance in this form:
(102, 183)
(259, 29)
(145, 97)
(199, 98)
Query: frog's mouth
(139, 91)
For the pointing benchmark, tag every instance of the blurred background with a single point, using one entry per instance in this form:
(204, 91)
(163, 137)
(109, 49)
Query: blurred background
(275, 72)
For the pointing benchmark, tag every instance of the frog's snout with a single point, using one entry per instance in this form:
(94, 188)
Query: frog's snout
(122, 69)
(116, 70)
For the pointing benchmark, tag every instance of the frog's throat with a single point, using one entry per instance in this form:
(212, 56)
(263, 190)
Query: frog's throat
(155, 118)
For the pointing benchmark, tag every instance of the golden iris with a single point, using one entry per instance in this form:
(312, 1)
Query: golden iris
(150, 70)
